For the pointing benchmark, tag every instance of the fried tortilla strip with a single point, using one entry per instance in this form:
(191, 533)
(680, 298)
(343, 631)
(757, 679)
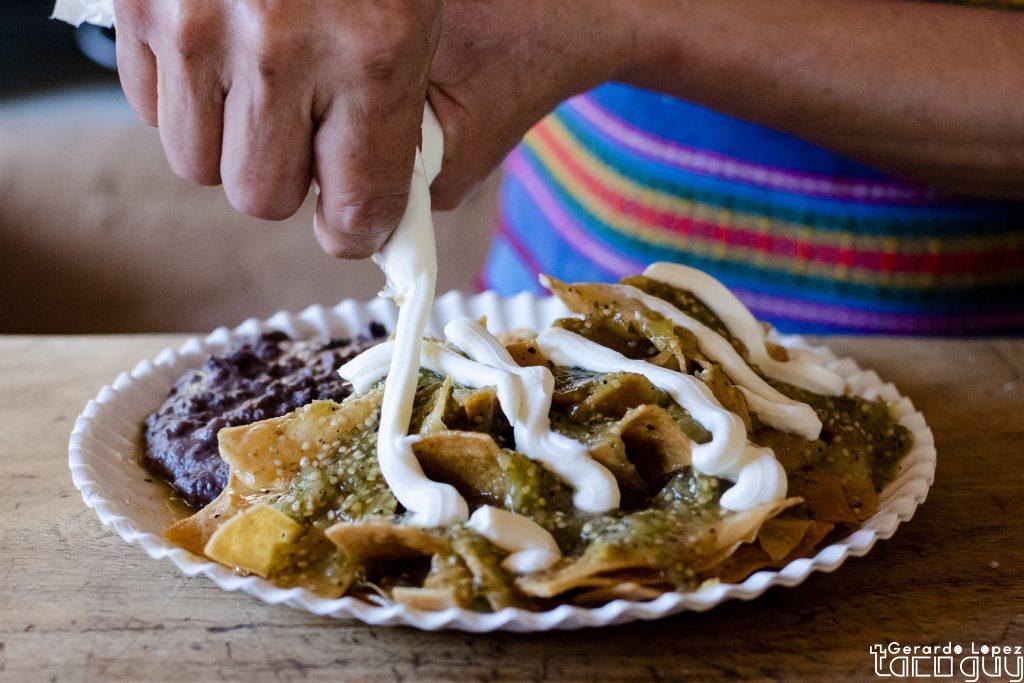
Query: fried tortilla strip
(442, 406)
(252, 452)
(466, 460)
(824, 496)
(610, 451)
(792, 451)
(264, 454)
(482, 410)
(608, 395)
(731, 398)
(193, 533)
(677, 346)
(618, 591)
(427, 599)
(778, 537)
(697, 546)
(253, 540)
(525, 353)
(752, 557)
(483, 560)
(382, 540)
(655, 443)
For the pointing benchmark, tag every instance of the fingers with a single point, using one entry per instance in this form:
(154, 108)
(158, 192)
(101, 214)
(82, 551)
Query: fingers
(190, 105)
(190, 94)
(136, 67)
(363, 153)
(267, 158)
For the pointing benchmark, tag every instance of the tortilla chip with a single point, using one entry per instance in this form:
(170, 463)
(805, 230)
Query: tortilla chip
(466, 460)
(618, 591)
(382, 540)
(711, 543)
(253, 540)
(824, 496)
(483, 560)
(727, 393)
(778, 537)
(610, 451)
(265, 454)
(792, 451)
(655, 444)
(194, 532)
(526, 354)
(608, 395)
(752, 557)
(428, 599)
(779, 353)
(482, 410)
(442, 405)
(677, 346)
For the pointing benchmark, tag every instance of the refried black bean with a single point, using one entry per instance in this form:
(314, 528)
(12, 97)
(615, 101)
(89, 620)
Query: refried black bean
(249, 381)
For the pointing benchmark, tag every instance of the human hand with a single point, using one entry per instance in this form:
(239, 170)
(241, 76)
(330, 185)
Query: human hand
(265, 96)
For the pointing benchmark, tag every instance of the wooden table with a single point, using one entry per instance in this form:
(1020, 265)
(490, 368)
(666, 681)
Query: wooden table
(76, 602)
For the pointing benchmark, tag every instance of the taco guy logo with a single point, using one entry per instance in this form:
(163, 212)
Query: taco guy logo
(970, 662)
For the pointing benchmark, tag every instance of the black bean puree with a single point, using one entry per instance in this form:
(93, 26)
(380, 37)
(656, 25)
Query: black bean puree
(251, 380)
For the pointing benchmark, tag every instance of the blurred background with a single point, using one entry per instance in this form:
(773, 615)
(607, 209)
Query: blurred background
(97, 234)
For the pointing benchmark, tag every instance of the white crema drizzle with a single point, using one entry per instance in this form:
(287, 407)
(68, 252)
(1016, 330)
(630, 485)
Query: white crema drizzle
(774, 408)
(728, 455)
(409, 260)
(525, 394)
(738, 319)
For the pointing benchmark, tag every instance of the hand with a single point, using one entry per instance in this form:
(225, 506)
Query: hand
(264, 96)
(502, 65)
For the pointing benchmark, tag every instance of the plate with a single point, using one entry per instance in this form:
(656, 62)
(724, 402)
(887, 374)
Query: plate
(106, 469)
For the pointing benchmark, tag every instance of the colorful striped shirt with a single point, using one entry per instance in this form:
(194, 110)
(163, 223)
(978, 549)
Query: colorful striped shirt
(620, 177)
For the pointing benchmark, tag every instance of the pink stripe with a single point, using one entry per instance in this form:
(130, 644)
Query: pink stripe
(563, 224)
(769, 306)
(701, 161)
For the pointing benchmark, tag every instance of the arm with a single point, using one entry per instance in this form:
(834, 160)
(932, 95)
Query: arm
(266, 95)
(929, 91)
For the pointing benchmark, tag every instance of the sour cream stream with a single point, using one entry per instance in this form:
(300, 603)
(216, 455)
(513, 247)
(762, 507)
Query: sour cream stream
(775, 409)
(409, 260)
(531, 548)
(524, 397)
(741, 323)
(729, 455)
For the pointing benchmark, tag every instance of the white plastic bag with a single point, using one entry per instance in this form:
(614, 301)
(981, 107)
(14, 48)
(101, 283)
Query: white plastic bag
(77, 12)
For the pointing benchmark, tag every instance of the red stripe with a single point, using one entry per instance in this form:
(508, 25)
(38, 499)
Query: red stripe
(1005, 259)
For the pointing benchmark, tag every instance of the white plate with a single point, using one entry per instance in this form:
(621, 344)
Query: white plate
(105, 466)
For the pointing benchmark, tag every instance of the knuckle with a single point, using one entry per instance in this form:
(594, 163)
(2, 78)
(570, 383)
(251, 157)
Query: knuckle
(381, 63)
(188, 31)
(392, 52)
(272, 49)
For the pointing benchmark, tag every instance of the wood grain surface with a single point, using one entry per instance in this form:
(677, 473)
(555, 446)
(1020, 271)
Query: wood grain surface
(77, 603)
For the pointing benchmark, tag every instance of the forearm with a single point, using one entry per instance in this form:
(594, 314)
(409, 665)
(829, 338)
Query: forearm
(929, 91)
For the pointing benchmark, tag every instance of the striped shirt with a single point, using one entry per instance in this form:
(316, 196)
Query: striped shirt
(620, 177)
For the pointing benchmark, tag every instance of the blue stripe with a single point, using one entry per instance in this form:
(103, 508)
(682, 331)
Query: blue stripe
(696, 126)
